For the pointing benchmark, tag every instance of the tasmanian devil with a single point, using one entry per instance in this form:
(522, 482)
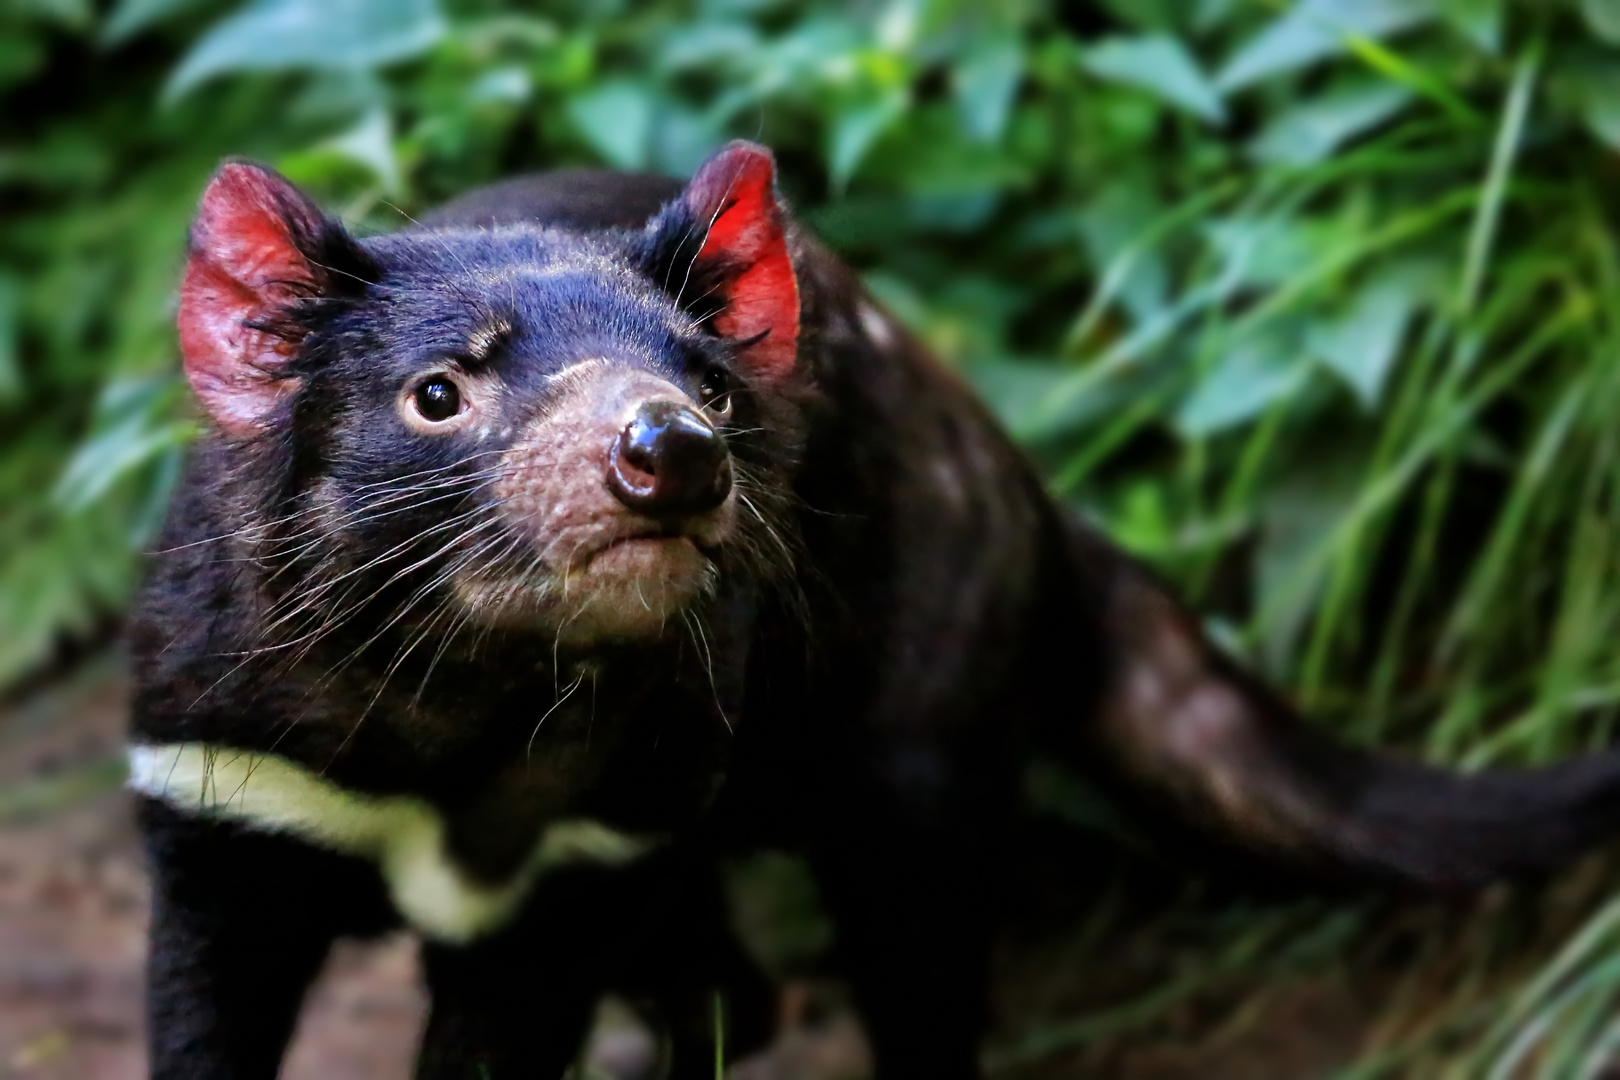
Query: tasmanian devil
(537, 551)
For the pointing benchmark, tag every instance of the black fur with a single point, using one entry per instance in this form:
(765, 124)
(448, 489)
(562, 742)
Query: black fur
(907, 618)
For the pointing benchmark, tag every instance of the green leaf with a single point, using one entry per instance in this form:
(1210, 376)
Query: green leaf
(329, 98)
(1315, 29)
(370, 143)
(1269, 252)
(506, 85)
(856, 127)
(1249, 376)
(1603, 16)
(1301, 506)
(1480, 21)
(1032, 401)
(1019, 393)
(682, 138)
(112, 455)
(1600, 103)
(68, 14)
(1210, 14)
(1112, 225)
(1161, 65)
(616, 120)
(816, 53)
(985, 82)
(1146, 14)
(1361, 344)
(21, 57)
(282, 35)
(706, 46)
(130, 17)
(129, 429)
(1310, 131)
(11, 381)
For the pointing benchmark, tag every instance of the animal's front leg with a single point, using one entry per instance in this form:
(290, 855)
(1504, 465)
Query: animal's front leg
(905, 861)
(692, 981)
(501, 1013)
(240, 925)
(912, 935)
(519, 1002)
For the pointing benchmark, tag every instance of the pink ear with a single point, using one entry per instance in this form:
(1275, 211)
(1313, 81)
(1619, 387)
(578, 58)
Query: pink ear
(733, 196)
(247, 266)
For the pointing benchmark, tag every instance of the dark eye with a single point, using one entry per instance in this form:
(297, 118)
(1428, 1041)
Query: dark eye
(437, 400)
(716, 393)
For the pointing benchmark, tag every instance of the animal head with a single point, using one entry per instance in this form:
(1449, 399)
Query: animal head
(522, 427)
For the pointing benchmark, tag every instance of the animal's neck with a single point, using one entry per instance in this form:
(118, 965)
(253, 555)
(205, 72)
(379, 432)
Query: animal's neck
(411, 842)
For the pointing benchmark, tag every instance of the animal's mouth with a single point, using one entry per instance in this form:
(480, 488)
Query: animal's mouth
(619, 554)
(621, 586)
(649, 560)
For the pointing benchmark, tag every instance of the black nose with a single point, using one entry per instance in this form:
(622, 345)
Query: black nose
(669, 462)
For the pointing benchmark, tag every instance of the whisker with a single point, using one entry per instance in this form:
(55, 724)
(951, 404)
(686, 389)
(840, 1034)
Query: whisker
(528, 751)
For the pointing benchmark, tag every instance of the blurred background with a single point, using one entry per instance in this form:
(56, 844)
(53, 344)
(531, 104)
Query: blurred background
(1314, 305)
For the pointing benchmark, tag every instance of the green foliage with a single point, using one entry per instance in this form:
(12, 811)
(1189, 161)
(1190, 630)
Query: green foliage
(1312, 304)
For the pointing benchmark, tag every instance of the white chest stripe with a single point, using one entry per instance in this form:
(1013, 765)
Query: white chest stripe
(403, 836)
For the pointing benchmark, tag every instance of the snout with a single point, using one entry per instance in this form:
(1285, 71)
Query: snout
(669, 463)
(622, 490)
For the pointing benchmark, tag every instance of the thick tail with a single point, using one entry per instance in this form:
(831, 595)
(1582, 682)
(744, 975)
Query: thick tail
(1187, 729)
